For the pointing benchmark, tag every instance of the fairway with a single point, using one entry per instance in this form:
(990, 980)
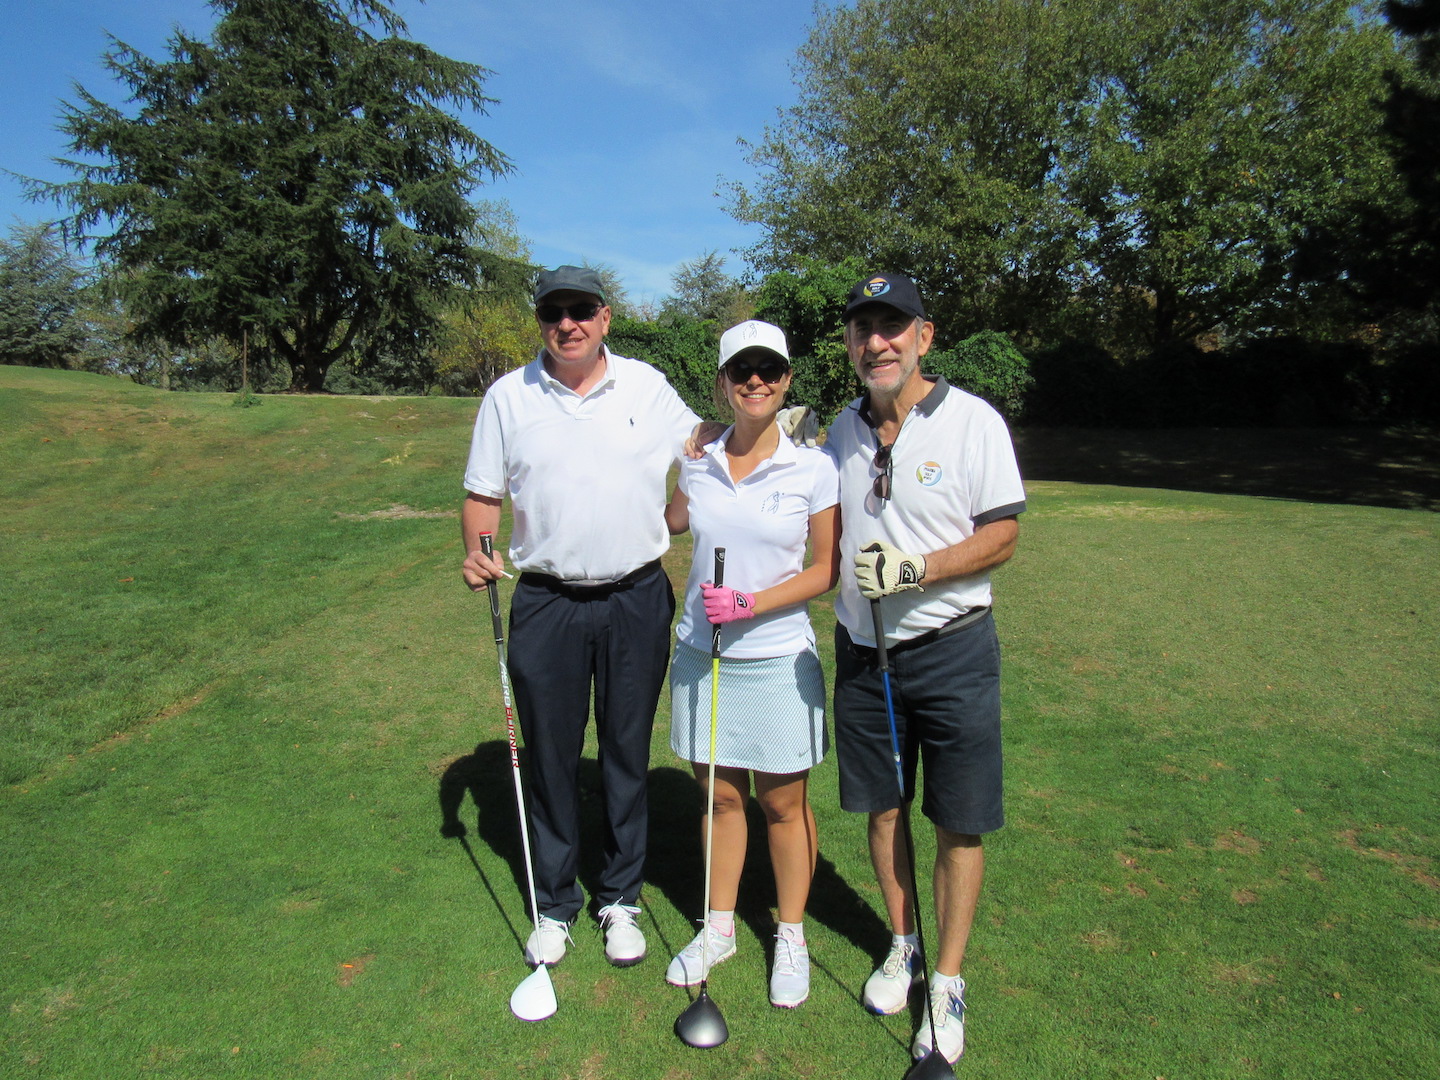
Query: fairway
(258, 820)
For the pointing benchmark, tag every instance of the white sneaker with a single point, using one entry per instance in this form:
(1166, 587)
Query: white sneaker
(624, 943)
(790, 977)
(546, 944)
(947, 1034)
(685, 969)
(887, 991)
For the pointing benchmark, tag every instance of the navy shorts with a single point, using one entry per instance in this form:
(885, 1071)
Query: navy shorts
(947, 716)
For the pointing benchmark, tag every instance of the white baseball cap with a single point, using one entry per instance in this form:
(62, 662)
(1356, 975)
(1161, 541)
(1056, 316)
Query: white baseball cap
(753, 334)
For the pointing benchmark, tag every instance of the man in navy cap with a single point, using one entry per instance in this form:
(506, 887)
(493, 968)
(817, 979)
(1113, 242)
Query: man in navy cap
(582, 441)
(929, 494)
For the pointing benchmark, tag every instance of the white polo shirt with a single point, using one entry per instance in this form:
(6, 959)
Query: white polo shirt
(586, 474)
(954, 470)
(763, 523)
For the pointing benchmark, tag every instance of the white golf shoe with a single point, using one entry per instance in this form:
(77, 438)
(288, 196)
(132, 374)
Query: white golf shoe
(624, 943)
(546, 944)
(790, 975)
(947, 1033)
(887, 991)
(686, 969)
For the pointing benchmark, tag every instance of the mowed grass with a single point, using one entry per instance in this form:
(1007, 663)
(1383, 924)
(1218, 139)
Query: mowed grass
(248, 707)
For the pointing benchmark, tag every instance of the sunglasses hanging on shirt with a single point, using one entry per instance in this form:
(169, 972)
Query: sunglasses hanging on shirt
(885, 463)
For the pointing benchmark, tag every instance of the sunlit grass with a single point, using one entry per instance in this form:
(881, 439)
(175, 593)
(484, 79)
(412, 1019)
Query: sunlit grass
(228, 777)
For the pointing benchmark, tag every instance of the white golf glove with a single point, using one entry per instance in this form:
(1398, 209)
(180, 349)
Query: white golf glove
(800, 423)
(882, 570)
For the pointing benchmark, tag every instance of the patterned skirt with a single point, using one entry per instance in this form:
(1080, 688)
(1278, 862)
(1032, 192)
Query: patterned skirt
(771, 716)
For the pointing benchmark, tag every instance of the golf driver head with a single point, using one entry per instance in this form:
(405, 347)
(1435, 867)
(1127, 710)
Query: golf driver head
(701, 1025)
(534, 998)
(932, 1066)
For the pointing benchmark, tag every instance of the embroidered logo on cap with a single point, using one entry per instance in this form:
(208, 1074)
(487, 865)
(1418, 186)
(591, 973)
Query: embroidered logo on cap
(876, 287)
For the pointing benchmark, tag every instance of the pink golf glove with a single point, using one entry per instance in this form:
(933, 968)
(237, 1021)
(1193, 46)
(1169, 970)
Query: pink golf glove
(724, 604)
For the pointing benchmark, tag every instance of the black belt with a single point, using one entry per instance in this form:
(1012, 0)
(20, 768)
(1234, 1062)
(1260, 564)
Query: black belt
(604, 588)
(959, 622)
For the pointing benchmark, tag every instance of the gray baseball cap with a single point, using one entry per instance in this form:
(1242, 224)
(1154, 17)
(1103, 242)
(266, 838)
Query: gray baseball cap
(571, 278)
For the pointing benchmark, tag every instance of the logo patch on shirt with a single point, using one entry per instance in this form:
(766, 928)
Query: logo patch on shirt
(771, 505)
(928, 473)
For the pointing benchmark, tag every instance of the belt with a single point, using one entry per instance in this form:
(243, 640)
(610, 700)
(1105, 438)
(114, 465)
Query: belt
(959, 622)
(604, 588)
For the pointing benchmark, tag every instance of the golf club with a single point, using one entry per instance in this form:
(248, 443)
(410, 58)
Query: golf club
(933, 1065)
(701, 1024)
(534, 998)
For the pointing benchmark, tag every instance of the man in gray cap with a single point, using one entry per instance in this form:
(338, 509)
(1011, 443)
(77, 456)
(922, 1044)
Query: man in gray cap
(582, 441)
(929, 496)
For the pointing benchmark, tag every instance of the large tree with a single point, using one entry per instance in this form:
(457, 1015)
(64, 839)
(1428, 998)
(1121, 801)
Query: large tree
(41, 287)
(295, 180)
(1136, 171)
(703, 290)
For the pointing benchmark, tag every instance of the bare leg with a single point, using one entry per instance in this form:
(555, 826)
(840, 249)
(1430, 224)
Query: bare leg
(727, 859)
(959, 870)
(791, 832)
(892, 869)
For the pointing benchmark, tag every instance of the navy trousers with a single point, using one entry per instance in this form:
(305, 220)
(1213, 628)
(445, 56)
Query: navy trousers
(563, 643)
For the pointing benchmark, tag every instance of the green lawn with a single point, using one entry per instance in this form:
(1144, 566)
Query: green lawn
(244, 696)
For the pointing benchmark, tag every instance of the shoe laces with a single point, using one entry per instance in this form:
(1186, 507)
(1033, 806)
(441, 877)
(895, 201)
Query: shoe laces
(787, 955)
(952, 1003)
(899, 957)
(714, 942)
(612, 915)
(547, 925)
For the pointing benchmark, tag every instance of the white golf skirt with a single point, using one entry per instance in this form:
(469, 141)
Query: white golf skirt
(771, 714)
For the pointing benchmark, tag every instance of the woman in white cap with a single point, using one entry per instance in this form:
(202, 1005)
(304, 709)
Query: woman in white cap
(763, 499)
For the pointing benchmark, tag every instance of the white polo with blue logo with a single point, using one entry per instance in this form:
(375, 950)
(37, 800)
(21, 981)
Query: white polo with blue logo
(954, 470)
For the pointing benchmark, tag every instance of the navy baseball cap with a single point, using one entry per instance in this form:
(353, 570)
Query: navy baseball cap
(571, 278)
(893, 290)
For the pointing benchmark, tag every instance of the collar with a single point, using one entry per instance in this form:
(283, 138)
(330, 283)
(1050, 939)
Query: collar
(926, 406)
(786, 452)
(545, 377)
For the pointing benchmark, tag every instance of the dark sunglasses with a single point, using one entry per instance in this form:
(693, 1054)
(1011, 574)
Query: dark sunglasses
(553, 313)
(770, 371)
(883, 461)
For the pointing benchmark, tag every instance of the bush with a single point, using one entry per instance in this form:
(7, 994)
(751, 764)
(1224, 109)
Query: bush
(988, 365)
(1076, 383)
(684, 348)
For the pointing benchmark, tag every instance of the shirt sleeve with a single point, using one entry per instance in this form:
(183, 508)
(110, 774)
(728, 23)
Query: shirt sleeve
(824, 483)
(681, 421)
(485, 469)
(999, 492)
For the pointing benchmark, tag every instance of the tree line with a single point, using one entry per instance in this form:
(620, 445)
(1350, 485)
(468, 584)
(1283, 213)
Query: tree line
(1206, 211)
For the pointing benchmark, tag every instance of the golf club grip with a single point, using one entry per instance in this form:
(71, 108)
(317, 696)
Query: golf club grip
(719, 580)
(879, 623)
(487, 545)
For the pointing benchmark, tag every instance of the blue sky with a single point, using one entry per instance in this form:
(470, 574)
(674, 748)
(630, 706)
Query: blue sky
(622, 118)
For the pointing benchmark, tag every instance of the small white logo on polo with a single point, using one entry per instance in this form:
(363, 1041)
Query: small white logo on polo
(771, 505)
(928, 473)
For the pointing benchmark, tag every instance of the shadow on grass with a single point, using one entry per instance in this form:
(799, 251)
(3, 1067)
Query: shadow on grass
(675, 866)
(1358, 466)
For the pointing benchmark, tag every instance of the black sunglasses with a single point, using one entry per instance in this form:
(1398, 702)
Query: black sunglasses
(884, 462)
(770, 371)
(553, 313)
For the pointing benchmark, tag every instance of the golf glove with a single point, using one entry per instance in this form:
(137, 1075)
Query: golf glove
(800, 423)
(725, 605)
(882, 570)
